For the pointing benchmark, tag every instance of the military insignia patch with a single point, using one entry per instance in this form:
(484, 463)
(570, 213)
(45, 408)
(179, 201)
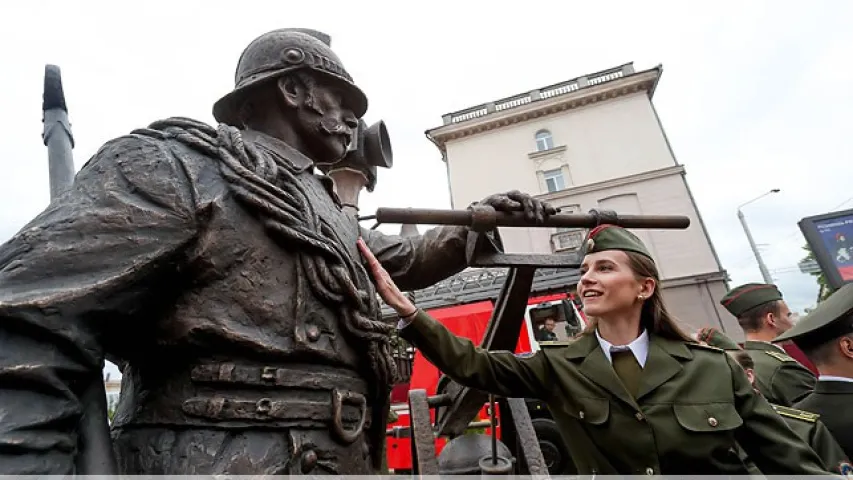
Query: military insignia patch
(844, 468)
(796, 413)
(780, 356)
(590, 244)
(705, 346)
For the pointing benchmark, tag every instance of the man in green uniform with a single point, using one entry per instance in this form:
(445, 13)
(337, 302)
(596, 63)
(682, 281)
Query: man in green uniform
(805, 424)
(826, 337)
(763, 315)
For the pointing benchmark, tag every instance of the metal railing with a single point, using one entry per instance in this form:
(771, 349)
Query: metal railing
(543, 93)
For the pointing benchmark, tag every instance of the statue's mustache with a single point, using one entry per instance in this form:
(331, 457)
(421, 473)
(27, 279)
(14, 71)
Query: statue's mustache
(330, 126)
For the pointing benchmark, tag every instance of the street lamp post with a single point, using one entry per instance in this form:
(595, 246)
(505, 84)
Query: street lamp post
(761, 266)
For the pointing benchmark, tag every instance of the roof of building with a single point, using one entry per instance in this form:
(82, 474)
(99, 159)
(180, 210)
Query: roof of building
(554, 98)
(474, 285)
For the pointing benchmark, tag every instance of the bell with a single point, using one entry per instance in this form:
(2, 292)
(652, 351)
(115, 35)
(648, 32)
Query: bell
(471, 454)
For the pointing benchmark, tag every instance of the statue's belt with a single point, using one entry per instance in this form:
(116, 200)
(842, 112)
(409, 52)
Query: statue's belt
(243, 396)
(286, 376)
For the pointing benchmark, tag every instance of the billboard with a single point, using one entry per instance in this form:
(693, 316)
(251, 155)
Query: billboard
(830, 237)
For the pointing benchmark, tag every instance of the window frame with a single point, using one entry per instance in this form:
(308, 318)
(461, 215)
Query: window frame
(553, 175)
(546, 139)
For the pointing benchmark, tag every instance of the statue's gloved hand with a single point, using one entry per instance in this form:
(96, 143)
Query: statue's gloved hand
(534, 210)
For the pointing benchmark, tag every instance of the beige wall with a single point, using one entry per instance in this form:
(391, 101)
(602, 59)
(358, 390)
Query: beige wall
(614, 156)
(602, 141)
(696, 304)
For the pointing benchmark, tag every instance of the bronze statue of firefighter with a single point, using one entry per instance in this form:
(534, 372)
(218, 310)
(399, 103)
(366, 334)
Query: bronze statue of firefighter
(222, 273)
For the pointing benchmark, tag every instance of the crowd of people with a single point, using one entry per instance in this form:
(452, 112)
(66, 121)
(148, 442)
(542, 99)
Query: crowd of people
(636, 394)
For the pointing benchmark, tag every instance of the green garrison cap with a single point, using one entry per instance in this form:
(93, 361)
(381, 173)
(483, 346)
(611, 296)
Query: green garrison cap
(748, 296)
(831, 319)
(612, 237)
(716, 338)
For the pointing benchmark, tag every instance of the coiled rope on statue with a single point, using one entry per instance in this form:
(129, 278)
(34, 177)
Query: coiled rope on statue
(269, 187)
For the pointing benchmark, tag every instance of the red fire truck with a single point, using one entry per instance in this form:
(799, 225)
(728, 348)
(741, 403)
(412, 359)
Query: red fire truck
(464, 305)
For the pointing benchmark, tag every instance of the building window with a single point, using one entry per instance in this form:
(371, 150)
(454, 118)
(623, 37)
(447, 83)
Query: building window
(554, 181)
(567, 239)
(544, 141)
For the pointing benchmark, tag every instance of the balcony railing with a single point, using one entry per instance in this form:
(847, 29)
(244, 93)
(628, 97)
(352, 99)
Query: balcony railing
(543, 93)
(567, 241)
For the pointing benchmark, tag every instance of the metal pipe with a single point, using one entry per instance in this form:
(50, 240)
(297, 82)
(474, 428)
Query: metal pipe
(480, 424)
(57, 135)
(517, 219)
(494, 433)
(440, 400)
(94, 448)
(404, 432)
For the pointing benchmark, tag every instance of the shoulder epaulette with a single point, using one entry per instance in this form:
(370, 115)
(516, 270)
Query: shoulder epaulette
(556, 343)
(782, 357)
(796, 413)
(705, 346)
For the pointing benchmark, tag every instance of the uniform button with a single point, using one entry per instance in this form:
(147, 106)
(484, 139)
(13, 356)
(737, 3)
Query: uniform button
(639, 416)
(263, 406)
(712, 421)
(309, 461)
(650, 471)
(313, 332)
(580, 414)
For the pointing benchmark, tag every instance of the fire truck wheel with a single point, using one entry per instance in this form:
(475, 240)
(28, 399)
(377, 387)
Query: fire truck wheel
(553, 448)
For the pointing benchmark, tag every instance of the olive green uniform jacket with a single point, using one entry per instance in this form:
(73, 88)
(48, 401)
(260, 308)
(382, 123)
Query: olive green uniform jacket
(778, 376)
(694, 406)
(810, 428)
(833, 400)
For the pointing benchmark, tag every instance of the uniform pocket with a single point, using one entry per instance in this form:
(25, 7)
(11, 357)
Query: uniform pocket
(707, 417)
(591, 410)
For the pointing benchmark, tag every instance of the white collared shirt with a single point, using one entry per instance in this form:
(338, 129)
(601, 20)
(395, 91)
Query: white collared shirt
(833, 378)
(639, 347)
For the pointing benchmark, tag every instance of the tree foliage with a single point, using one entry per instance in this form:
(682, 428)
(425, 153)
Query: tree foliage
(824, 292)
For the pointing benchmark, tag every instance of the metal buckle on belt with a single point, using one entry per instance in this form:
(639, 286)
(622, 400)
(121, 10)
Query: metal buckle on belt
(338, 400)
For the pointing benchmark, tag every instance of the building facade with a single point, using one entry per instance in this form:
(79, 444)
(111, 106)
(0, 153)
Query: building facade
(590, 142)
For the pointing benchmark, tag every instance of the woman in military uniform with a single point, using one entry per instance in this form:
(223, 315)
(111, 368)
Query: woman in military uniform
(632, 394)
(805, 424)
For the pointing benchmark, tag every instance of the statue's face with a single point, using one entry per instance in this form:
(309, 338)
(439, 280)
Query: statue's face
(325, 123)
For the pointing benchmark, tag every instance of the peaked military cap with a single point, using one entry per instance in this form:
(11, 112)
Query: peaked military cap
(612, 237)
(831, 319)
(716, 338)
(750, 295)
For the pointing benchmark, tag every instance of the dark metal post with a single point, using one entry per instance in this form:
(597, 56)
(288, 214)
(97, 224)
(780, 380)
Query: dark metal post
(95, 449)
(57, 133)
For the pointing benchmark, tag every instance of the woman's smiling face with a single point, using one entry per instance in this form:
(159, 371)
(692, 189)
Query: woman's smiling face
(608, 283)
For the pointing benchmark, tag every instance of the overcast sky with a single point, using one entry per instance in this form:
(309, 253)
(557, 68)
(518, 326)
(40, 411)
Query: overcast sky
(755, 94)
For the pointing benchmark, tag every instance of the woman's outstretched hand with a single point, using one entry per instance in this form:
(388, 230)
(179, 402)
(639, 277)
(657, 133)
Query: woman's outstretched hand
(384, 285)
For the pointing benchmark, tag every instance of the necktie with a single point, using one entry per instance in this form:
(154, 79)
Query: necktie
(628, 369)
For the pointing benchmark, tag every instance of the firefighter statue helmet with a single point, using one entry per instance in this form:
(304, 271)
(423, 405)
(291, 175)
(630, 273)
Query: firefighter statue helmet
(278, 52)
